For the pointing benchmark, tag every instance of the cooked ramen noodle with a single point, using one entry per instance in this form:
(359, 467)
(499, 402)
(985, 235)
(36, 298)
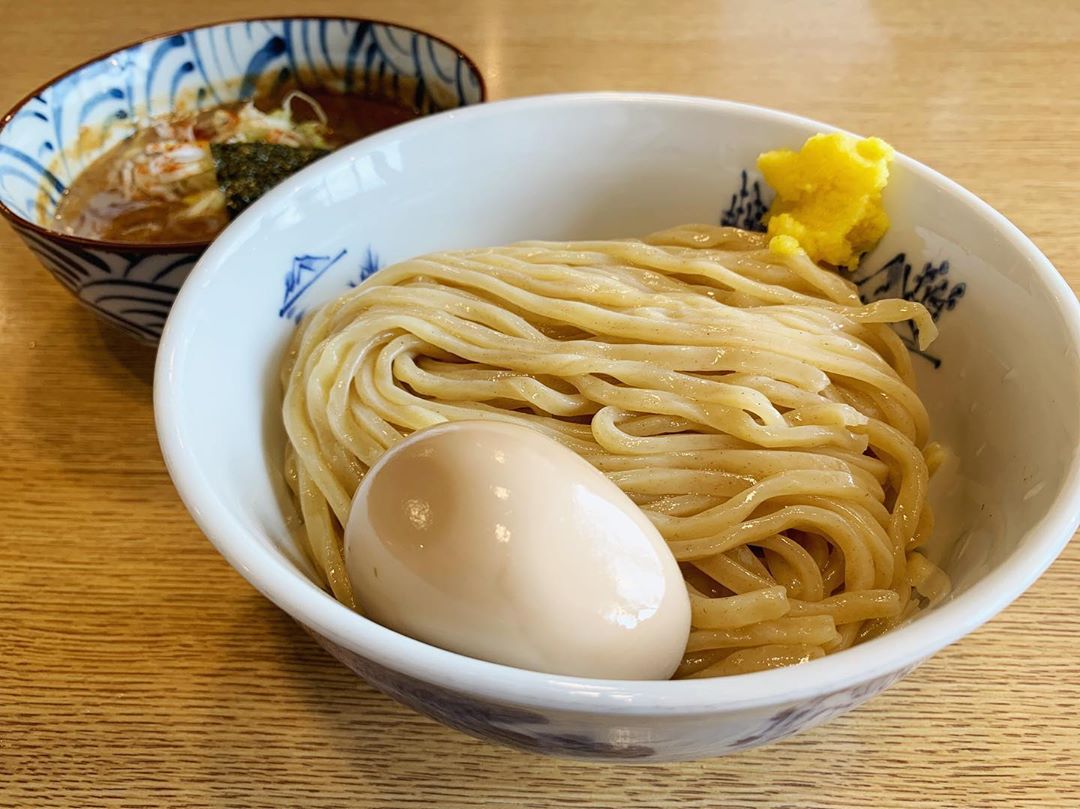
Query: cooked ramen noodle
(762, 417)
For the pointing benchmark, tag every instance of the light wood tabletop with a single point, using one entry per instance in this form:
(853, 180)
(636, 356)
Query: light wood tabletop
(138, 669)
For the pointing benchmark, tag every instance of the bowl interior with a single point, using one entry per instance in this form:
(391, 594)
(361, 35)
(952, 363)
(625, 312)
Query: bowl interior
(59, 130)
(1001, 383)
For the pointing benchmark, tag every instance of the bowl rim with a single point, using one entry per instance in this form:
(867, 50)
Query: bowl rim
(884, 657)
(199, 245)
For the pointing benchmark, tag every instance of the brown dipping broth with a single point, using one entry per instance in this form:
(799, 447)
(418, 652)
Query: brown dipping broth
(91, 208)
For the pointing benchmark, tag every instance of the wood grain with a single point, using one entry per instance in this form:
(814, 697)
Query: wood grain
(137, 669)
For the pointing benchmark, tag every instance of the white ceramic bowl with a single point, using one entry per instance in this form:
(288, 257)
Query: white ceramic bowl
(1002, 387)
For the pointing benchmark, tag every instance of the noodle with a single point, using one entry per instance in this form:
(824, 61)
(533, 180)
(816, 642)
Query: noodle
(761, 416)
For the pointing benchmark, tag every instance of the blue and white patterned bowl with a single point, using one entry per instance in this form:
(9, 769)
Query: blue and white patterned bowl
(60, 128)
(1002, 385)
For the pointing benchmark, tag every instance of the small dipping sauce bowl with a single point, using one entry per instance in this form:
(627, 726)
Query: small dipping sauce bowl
(59, 129)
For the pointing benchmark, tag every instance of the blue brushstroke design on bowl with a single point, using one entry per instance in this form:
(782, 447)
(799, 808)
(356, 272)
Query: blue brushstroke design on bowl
(552, 733)
(748, 209)
(134, 285)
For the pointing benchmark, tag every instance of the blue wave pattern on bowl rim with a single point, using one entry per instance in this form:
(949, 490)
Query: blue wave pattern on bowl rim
(133, 290)
(134, 285)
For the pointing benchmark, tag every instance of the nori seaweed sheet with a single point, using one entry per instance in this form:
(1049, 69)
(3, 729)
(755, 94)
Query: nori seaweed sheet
(246, 171)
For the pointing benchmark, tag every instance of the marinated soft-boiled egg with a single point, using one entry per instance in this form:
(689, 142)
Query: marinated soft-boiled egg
(495, 541)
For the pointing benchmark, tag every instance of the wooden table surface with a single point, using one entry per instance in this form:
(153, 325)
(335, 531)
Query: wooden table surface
(137, 669)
